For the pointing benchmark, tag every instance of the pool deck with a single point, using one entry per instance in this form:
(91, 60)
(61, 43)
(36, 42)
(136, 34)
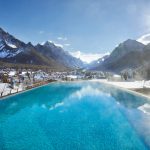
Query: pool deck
(139, 87)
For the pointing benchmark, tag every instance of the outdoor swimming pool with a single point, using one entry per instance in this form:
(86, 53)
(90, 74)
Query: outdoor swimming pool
(75, 116)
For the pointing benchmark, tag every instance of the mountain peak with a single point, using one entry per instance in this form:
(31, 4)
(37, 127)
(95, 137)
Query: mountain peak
(130, 42)
(48, 43)
(127, 47)
(29, 44)
(52, 44)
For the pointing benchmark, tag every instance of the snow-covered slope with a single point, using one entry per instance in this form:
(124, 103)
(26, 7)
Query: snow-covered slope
(13, 50)
(56, 52)
(8, 50)
(9, 45)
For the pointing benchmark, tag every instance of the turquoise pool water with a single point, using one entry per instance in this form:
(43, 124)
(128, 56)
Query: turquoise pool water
(75, 116)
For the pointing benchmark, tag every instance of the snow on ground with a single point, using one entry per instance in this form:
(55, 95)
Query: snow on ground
(72, 76)
(5, 89)
(12, 73)
(11, 45)
(127, 84)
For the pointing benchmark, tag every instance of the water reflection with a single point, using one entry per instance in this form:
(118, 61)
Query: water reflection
(37, 97)
(43, 97)
(86, 98)
(125, 98)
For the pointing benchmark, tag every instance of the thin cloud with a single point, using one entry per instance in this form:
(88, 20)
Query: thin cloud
(62, 38)
(145, 39)
(140, 12)
(67, 44)
(146, 22)
(41, 32)
(144, 16)
(59, 45)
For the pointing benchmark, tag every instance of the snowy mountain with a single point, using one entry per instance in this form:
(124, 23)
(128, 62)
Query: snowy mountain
(126, 47)
(129, 54)
(9, 45)
(50, 50)
(13, 50)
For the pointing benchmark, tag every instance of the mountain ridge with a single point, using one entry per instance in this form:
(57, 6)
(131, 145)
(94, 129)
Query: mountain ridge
(50, 50)
(12, 50)
(127, 55)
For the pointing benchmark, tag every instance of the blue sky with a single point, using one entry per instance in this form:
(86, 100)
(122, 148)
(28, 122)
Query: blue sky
(90, 26)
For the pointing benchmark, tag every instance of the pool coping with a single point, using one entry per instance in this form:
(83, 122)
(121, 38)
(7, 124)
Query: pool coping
(98, 81)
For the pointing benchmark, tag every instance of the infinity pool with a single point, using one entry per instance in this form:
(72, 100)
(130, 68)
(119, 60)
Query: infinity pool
(75, 116)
